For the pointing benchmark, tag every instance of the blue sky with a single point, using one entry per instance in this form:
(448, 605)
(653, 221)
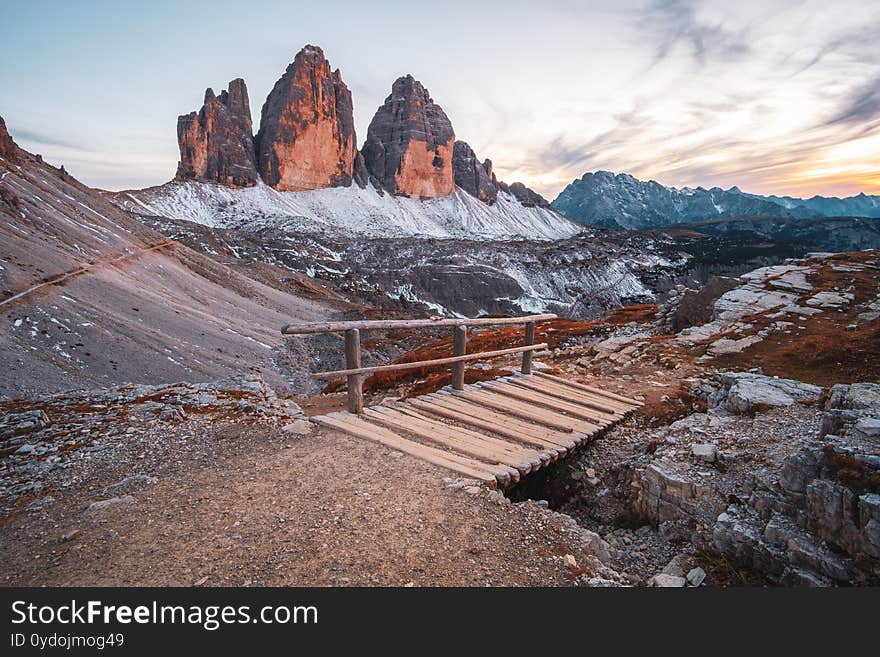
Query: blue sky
(772, 96)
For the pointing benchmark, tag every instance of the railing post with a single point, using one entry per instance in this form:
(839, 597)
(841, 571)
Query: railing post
(459, 335)
(353, 361)
(527, 355)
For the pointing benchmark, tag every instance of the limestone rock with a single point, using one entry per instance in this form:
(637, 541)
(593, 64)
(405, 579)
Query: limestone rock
(7, 146)
(473, 176)
(216, 144)
(307, 137)
(745, 392)
(410, 143)
(856, 396)
(667, 581)
(528, 197)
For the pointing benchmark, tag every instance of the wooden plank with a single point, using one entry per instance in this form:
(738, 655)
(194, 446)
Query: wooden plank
(567, 390)
(530, 413)
(366, 325)
(598, 391)
(428, 363)
(353, 361)
(566, 408)
(394, 420)
(500, 425)
(575, 423)
(459, 341)
(526, 430)
(605, 407)
(569, 394)
(468, 467)
(534, 456)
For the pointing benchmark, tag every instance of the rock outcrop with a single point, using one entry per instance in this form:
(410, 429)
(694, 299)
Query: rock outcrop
(216, 144)
(478, 180)
(473, 176)
(409, 144)
(528, 197)
(307, 136)
(7, 146)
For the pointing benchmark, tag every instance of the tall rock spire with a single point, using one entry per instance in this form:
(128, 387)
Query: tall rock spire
(409, 143)
(216, 144)
(307, 137)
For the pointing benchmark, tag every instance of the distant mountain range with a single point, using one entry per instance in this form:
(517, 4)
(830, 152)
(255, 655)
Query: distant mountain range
(622, 201)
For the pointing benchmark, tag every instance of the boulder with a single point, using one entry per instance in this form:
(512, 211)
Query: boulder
(667, 581)
(855, 396)
(745, 392)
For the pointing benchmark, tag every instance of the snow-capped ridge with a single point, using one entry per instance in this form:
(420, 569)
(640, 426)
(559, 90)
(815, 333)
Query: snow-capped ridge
(348, 209)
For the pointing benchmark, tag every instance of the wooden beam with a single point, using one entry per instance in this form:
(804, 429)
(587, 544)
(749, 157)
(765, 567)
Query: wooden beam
(527, 355)
(459, 339)
(598, 391)
(353, 362)
(427, 363)
(367, 325)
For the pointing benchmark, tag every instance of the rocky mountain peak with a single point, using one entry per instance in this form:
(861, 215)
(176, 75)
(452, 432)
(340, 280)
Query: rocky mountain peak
(409, 146)
(307, 137)
(473, 176)
(7, 146)
(216, 143)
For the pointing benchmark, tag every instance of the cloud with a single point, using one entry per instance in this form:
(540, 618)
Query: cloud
(21, 134)
(674, 22)
(862, 106)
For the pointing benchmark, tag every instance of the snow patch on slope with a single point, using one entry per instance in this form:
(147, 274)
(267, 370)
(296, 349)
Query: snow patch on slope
(349, 209)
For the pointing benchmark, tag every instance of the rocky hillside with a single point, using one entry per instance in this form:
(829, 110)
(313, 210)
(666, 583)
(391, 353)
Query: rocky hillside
(90, 296)
(622, 201)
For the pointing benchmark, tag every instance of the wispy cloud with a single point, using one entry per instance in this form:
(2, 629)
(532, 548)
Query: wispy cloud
(863, 106)
(671, 23)
(44, 139)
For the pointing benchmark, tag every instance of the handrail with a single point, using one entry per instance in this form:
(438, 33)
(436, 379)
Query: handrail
(429, 363)
(370, 324)
(355, 373)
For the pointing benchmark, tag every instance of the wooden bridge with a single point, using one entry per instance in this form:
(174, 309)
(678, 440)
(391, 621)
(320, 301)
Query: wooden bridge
(495, 431)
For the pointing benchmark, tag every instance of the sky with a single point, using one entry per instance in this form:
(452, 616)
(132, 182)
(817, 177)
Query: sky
(773, 96)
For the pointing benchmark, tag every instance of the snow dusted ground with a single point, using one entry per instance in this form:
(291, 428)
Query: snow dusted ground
(348, 209)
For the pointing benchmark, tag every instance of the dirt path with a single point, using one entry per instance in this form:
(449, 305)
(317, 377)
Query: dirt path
(263, 507)
(61, 278)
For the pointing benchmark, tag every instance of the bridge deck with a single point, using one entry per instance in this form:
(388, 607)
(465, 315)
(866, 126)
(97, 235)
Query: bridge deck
(497, 431)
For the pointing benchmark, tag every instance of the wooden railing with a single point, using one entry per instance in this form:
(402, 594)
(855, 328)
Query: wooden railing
(354, 373)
